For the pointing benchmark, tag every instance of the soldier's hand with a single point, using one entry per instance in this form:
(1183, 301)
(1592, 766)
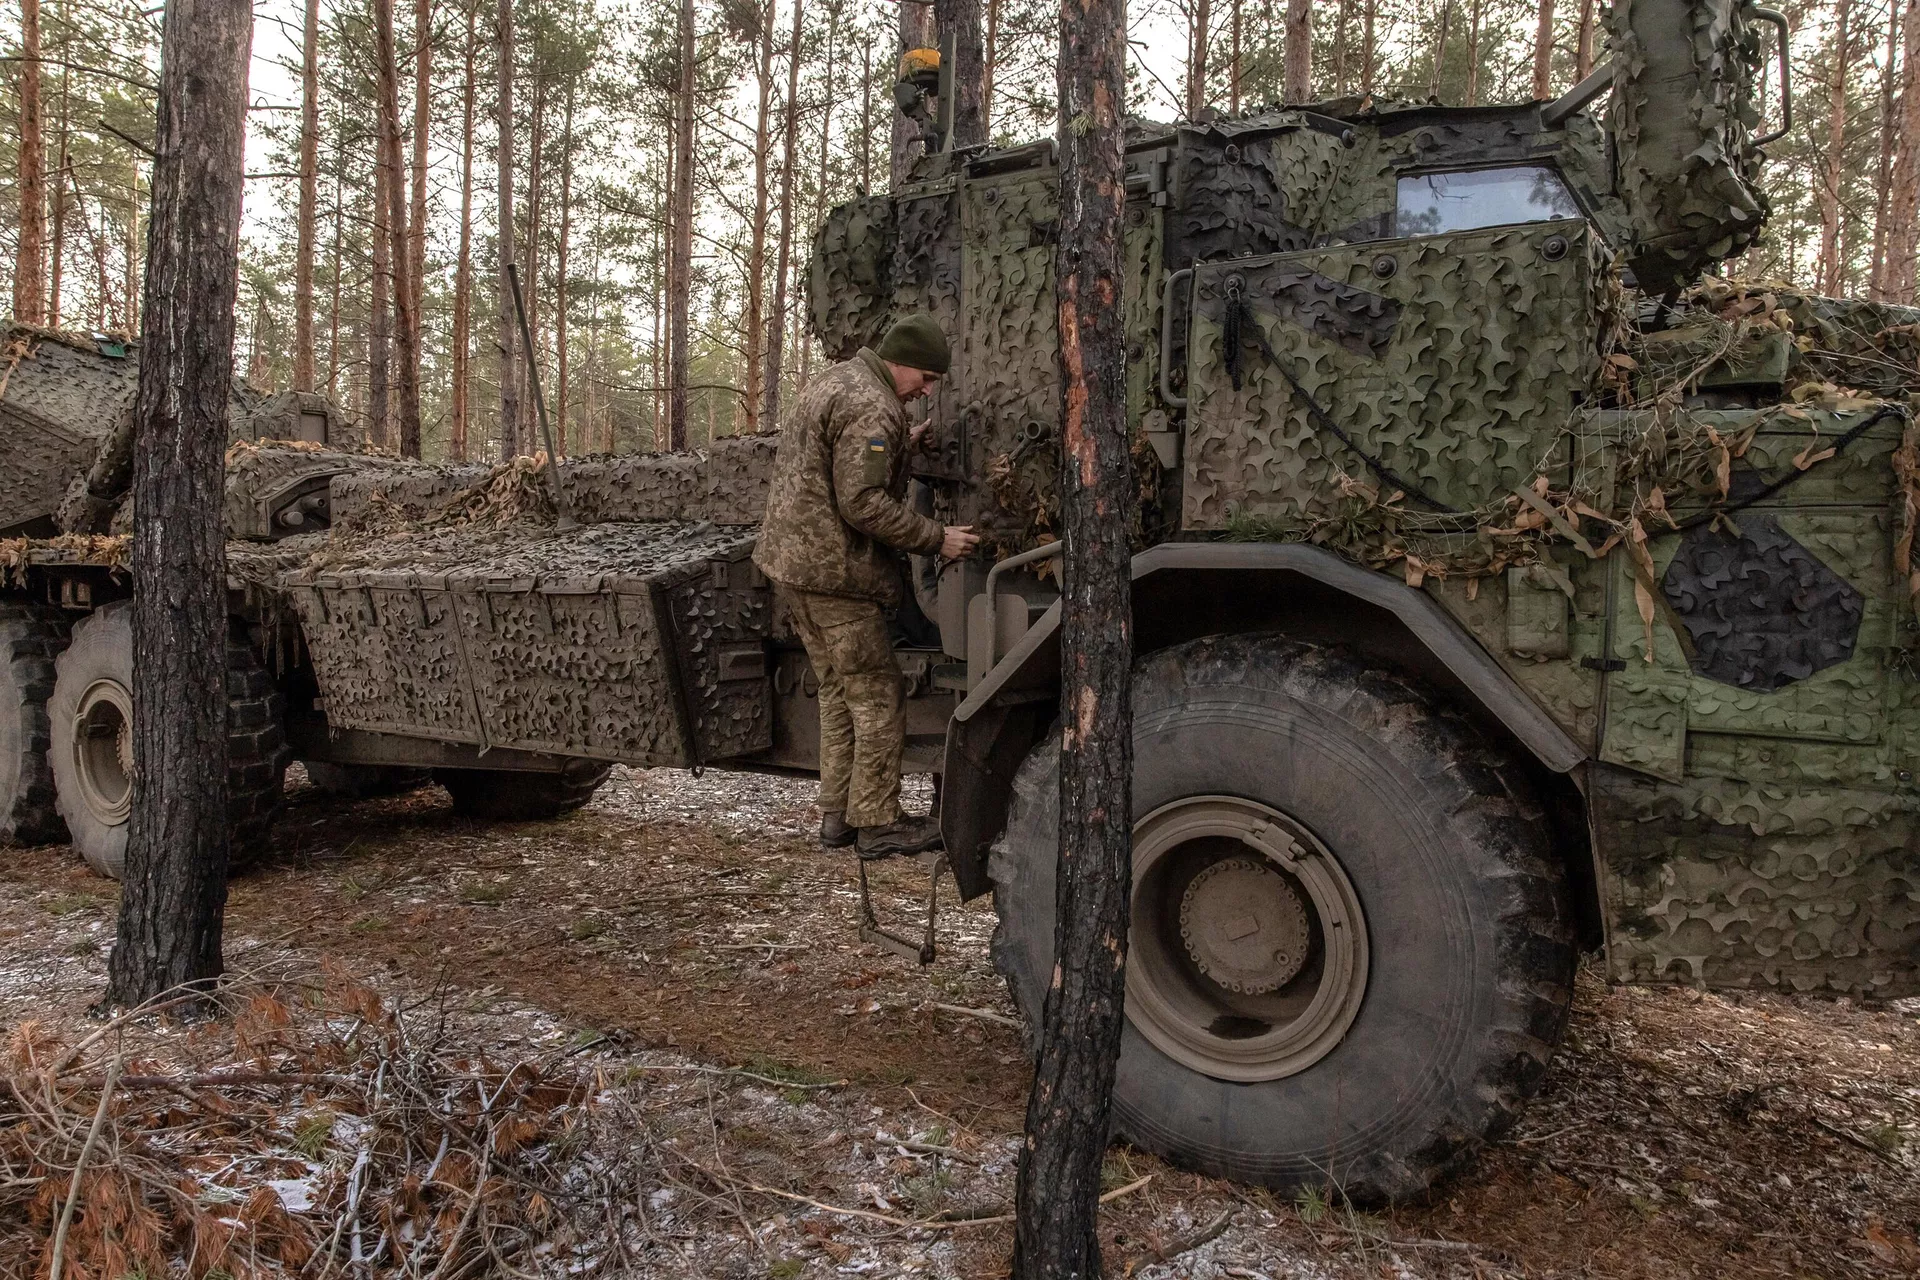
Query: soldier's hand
(959, 542)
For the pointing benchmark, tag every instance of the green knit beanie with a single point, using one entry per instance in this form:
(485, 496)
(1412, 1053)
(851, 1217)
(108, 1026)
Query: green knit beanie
(916, 342)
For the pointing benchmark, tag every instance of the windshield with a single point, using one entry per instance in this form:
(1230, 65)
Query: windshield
(1431, 203)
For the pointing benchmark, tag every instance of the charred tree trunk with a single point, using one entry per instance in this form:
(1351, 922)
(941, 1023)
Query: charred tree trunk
(681, 289)
(1832, 173)
(916, 32)
(30, 254)
(303, 344)
(961, 20)
(1058, 1190)
(1903, 231)
(463, 263)
(508, 338)
(1299, 68)
(176, 878)
(783, 252)
(406, 331)
(560, 271)
(1543, 53)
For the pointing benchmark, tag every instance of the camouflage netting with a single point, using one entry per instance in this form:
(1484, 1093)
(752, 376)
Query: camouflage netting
(1683, 117)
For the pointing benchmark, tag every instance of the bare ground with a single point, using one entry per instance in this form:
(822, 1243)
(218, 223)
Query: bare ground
(679, 924)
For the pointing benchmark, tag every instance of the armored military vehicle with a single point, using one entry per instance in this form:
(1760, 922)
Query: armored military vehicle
(1505, 588)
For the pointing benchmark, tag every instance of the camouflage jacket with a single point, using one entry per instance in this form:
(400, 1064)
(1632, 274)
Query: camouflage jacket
(836, 503)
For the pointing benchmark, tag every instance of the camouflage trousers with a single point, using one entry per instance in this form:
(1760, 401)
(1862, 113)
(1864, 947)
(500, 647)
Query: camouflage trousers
(862, 704)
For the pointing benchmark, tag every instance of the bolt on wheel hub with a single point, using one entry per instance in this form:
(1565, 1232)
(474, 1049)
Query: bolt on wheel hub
(1244, 926)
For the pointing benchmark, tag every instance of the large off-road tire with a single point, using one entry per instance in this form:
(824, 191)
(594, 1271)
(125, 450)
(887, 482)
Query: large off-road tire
(91, 730)
(507, 795)
(1351, 950)
(365, 781)
(30, 637)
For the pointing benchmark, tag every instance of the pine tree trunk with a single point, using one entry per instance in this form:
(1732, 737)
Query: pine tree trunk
(380, 304)
(1543, 53)
(1369, 49)
(1299, 68)
(990, 60)
(303, 343)
(805, 370)
(417, 214)
(960, 19)
(1583, 48)
(130, 272)
(1233, 57)
(1903, 225)
(866, 119)
(30, 252)
(682, 251)
(463, 263)
(755, 329)
(560, 272)
(1829, 263)
(1439, 69)
(1474, 15)
(1883, 175)
(916, 32)
(1057, 1193)
(503, 159)
(1342, 47)
(62, 172)
(333, 285)
(789, 166)
(1198, 37)
(406, 331)
(527, 433)
(176, 879)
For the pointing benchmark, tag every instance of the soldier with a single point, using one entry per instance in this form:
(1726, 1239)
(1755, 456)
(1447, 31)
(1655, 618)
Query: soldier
(835, 521)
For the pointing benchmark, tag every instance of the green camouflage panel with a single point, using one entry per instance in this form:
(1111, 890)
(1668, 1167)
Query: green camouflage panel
(850, 276)
(1683, 116)
(835, 520)
(1454, 361)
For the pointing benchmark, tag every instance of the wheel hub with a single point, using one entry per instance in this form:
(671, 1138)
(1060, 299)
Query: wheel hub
(1244, 926)
(103, 750)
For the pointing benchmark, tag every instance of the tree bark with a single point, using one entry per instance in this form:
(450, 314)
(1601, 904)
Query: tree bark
(30, 254)
(1829, 264)
(406, 328)
(1440, 50)
(1903, 225)
(1198, 37)
(62, 172)
(783, 253)
(339, 235)
(303, 344)
(834, 8)
(1057, 1192)
(528, 433)
(961, 20)
(463, 264)
(1543, 53)
(757, 339)
(1233, 55)
(1474, 14)
(417, 211)
(1299, 68)
(990, 58)
(380, 304)
(560, 270)
(682, 251)
(1369, 49)
(507, 336)
(1583, 48)
(176, 879)
(916, 32)
(1883, 184)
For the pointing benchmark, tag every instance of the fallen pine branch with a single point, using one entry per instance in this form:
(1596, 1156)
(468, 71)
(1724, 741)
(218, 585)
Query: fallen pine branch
(938, 1222)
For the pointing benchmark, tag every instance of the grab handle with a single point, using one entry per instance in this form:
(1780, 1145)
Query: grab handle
(1779, 20)
(1166, 338)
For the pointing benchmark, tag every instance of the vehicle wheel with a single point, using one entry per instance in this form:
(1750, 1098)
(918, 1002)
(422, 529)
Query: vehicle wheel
(510, 795)
(91, 723)
(1351, 951)
(365, 781)
(30, 637)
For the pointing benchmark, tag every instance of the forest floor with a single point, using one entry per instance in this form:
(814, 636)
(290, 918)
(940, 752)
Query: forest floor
(653, 1023)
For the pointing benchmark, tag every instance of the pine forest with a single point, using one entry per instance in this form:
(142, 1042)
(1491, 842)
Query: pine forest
(655, 170)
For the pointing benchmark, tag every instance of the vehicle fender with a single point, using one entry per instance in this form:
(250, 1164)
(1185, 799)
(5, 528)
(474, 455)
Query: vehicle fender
(1184, 590)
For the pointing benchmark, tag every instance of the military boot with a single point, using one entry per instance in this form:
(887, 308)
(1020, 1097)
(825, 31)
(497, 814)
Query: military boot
(834, 831)
(903, 836)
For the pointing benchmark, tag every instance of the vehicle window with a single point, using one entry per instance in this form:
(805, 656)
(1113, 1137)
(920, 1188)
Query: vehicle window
(1431, 203)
